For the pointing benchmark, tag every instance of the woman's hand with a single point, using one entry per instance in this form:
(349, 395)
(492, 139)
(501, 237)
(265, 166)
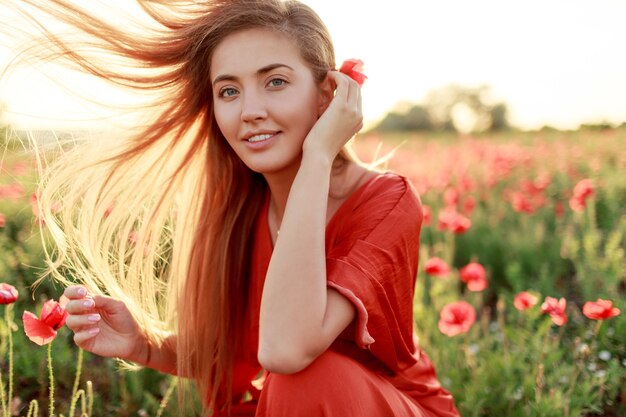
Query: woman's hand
(341, 120)
(104, 326)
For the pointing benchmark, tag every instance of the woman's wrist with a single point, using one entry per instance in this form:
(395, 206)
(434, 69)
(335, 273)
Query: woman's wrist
(317, 157)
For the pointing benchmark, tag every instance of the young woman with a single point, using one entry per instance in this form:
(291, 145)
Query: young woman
(257, 244)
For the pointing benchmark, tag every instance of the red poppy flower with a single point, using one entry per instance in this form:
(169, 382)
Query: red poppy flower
(436, 267)
(524, 300)
(3, 220)
(456, 318)
(460, 224)
(426, 215)
(474, 275)
(450, 197)
(577, 204)
(43, 331)
(8, 294)
(556, 310)
(521, 203)
(13, 191)
(559, 209)
(353, 68)
(468, 205)
(584, 189)
(600, 310)
(450, 219)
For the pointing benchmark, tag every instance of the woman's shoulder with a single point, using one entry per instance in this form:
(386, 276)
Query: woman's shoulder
(388, 187)
(383, 198)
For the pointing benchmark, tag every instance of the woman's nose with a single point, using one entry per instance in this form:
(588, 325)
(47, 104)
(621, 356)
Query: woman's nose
(253, 108)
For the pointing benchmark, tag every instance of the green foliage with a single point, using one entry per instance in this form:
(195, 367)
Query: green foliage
(451, 108)
(518, 363)
(511, 363)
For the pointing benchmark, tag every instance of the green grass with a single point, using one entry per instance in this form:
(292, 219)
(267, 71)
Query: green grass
(510, 363)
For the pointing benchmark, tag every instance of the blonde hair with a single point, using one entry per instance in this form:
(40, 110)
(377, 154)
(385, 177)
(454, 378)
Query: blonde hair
(162, 217)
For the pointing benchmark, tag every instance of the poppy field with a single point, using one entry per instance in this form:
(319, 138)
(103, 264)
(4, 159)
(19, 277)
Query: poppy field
(519, 300)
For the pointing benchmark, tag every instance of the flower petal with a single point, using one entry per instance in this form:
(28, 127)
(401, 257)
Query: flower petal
(37, 331)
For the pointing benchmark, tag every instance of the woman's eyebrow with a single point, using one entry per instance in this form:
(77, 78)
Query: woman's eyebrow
(261, 71)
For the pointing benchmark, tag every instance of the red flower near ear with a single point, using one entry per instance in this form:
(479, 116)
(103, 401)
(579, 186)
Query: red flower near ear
(456, 318)
(524, 301)
(43, 331)
(8, 294)
(353, 68)
(474, 275)
(600, 310)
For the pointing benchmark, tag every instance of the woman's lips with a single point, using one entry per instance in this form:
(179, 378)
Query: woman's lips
(261, 144)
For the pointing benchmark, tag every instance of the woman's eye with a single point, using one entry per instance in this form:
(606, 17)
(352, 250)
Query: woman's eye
(227, 92)
(277, 82)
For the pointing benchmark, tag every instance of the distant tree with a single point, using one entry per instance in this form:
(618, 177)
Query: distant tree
(465, 108)
(451, 108)
(416, 118)
(597, 126)
(499, 120)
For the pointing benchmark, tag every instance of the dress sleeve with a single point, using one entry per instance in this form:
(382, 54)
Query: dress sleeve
(374, 265)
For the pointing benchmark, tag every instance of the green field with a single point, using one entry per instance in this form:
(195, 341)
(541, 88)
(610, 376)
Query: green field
(519, 213)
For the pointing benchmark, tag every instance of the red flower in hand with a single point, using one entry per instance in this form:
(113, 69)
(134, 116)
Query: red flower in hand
(474, 275)
(437, 267)
(524, 301)
(8, 294)
(556, 310)
(600, 310)
(456, 318)
(353, 68)
(43, 331)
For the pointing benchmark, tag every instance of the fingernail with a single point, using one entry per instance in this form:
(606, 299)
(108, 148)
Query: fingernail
(93, 317)
(88, 303)
(95, 330)
(82, 292)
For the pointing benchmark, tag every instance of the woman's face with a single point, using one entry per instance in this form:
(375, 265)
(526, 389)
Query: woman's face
(265, 98)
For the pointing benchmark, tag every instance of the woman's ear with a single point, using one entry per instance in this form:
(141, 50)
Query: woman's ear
(327, 92)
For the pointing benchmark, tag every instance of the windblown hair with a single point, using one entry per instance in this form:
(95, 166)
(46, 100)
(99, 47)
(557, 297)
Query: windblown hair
(162, 217)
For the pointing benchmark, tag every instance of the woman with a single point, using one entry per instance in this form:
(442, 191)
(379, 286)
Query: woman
(256, 241)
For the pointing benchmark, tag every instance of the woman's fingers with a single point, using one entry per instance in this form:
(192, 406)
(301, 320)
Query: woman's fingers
(77, 322)
(84, 335)
(80, 306)
(74, 292)
(348, 91)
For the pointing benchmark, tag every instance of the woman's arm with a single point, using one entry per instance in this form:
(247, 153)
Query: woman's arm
(161, 357)
(300, 316)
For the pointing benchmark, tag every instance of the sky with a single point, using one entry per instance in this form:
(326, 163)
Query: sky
(555, 62)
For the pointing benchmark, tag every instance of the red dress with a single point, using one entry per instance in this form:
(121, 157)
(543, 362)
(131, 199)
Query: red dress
(374, 368)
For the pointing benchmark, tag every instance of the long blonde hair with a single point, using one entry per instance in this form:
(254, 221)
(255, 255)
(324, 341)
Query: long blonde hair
(162, 218)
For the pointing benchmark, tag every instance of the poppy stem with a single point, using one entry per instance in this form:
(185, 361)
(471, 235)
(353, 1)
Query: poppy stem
(79, 368)
(51, 376)
(166, 398)
(2, 399)
(8, 313)
(597, 330)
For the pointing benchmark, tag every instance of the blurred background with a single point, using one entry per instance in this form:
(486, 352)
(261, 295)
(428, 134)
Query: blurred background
(509, 120)
(476, 65)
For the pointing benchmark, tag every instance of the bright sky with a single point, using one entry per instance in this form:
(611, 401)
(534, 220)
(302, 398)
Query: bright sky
(557, 62)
